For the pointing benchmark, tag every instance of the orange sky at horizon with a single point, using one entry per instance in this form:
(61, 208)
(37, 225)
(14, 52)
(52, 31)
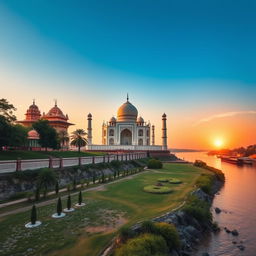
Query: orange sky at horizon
(233, 131)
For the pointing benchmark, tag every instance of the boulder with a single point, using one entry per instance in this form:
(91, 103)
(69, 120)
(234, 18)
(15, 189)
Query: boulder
(234, 232)
(217, 210)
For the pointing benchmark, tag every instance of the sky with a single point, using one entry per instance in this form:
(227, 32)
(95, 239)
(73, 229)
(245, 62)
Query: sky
(193, 60)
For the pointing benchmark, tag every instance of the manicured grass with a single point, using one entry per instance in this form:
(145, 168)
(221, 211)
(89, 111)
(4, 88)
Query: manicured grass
(70, 236)
(14, 154)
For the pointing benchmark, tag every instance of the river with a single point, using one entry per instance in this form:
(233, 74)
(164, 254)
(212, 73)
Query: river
(237, 200)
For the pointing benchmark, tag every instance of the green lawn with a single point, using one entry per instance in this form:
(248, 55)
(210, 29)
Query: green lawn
(14, 154)
(124, 201)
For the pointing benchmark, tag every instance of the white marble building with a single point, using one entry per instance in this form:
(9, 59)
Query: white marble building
(127, 131)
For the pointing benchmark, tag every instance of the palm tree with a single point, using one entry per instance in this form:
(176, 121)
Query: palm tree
(78, 139)
(63, 138)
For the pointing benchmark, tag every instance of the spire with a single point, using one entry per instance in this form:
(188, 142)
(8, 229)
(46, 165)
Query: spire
(127, 97)
(55, 100)
(33, 101)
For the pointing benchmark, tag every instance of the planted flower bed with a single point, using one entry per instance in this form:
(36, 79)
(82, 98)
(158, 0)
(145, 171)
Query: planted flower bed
(157, 189)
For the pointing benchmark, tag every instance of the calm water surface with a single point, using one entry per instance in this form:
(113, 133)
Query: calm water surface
(237, 200)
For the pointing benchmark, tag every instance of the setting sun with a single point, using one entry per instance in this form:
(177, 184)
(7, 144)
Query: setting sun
(218, 143)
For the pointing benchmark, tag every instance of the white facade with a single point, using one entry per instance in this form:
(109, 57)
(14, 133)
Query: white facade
(126, 132)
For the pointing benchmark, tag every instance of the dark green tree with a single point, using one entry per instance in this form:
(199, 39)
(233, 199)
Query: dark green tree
(57, 188)
(80, 198)
(59, 207)
(69, 202)
(33, 217)
(6, 110)
(37, 194)
(48, 135)
(93, 178)
(46, 179)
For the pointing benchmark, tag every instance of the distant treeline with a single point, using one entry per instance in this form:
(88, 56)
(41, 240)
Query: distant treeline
(186, 150)
(242, 152)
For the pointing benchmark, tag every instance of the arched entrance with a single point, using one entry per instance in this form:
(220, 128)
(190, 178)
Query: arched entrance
(126, 137)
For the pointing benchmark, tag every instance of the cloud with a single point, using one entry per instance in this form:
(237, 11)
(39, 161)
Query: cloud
(222, 115)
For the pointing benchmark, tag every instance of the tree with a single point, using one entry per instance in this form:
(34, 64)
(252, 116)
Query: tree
(48, 137)
(6, 110)
(19, 136)
(59, 207)
(80, 199)
(37, 194)
(78, 139)
(69, 202)
(33, 217)
(63, 138)
(46, 178)
(57, 188)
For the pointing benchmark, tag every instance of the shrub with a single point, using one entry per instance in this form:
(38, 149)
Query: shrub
(144, 245)
(199, 209)
(155, 164)
(125, 234)
(163, 179)
(116, 164)
(57, 188)
(59, 206)
(33, 217)
(169, 233)
(69, 202)
(157, 189)
(205, 182)
(148, 227)
(80, 198)
(175, 181)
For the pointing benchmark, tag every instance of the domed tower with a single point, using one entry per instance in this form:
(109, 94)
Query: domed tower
(89, 129)
(57, 119)
(127, 112)
(32, 115)
(164, 132)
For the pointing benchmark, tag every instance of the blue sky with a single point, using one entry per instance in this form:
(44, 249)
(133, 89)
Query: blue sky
(195, 55)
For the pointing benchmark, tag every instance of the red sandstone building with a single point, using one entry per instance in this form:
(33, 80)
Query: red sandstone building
(55, 116)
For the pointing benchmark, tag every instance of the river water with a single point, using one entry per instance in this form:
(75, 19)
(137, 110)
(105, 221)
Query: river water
(237, 200)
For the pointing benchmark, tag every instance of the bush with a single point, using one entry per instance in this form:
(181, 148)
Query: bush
(125, 234)
(199, 209)
(174, 181)
(148, 227)
(205, 182)
(154, 164)
(33, 217)
(69, 202)
(80, 198)
(144, 245)
(116, 164)
(59, 206)
(169, 233)
(163, 179)
(157, 189)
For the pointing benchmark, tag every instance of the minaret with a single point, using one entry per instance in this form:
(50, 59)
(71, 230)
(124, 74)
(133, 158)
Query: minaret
(153, 135)
(103, 136)
(164, 132)
(89, 129)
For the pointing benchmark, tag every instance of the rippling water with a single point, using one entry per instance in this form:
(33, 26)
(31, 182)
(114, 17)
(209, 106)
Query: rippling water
(237, 200)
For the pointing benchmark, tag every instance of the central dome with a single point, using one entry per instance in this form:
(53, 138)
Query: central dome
(127, 112)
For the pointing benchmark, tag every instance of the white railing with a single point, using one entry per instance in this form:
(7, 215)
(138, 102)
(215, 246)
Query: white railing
(21, 165)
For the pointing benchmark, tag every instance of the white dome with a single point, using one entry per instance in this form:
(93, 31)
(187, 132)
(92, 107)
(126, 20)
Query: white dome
(127, 112)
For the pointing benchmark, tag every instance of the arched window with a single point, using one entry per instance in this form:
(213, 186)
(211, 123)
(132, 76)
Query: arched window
(104, 133)
(140, 132)
(111, 132)
(147, 133)
(140, 142)
(147, 142)
(111, 141)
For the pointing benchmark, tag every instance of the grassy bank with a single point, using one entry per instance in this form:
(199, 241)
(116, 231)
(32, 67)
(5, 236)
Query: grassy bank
(14, 154)
(88, 229)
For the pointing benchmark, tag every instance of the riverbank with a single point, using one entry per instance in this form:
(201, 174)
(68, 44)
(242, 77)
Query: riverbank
(192, 218)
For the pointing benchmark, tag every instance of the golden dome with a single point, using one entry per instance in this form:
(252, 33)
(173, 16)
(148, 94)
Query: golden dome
(127, 112)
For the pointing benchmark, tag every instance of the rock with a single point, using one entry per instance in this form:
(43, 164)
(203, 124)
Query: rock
(234, 232)
(241, 247)
(192, 231)
(205, 254)
(217, 210)
(227, 230)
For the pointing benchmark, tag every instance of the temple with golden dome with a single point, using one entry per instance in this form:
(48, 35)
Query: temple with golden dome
(127, 131)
